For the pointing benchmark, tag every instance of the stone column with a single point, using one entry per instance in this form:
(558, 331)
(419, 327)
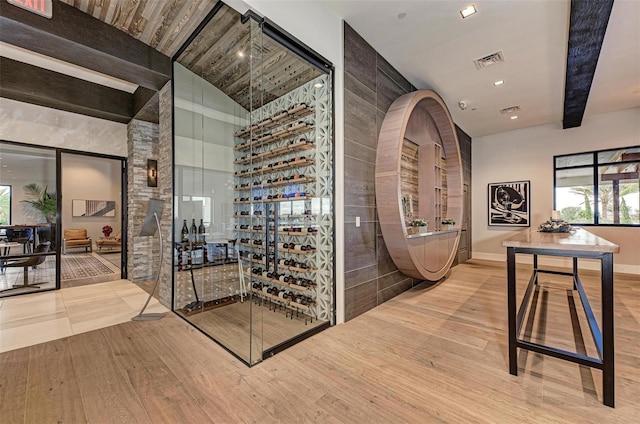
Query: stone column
(148, 140)
(165, 185)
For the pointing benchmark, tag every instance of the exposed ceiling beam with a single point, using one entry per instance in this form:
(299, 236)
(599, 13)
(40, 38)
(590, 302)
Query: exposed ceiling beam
(146, 105)
(588, 24)
(31, 84)
(76, 37)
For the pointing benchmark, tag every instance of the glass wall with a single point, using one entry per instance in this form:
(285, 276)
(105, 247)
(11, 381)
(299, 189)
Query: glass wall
(253, 181)
(28, 204)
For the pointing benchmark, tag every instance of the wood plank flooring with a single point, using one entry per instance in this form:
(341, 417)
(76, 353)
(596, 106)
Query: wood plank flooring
(434, 354)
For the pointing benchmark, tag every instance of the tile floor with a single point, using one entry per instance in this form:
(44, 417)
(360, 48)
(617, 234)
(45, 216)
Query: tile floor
(40, 317)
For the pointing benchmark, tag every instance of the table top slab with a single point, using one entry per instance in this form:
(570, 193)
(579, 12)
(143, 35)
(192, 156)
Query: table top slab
(578, 240)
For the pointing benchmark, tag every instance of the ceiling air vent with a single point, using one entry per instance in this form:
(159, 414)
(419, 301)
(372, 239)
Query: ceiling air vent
(510, 109)
(489, 60)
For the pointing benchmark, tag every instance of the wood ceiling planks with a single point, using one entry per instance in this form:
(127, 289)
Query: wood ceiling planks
(166, 25)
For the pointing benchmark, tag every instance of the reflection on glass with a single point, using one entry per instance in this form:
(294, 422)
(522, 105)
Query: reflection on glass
(574, 195)
(618, 199)
(254, 162)
(574, 160)
(28, 206)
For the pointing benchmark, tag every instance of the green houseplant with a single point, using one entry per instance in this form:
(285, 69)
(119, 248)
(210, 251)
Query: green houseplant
(420, 225)
(448, 223)
(41, 201)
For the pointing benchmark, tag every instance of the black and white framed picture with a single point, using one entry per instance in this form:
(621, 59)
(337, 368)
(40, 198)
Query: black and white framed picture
(509, 204)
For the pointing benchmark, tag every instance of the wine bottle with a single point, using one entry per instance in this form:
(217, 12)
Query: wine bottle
(185, 232)
(194, 230)
(201, 231)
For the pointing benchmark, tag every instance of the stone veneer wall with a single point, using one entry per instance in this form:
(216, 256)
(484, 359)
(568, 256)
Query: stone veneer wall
(143, 144)
(150, 141)
(165, 184)
(371, 86)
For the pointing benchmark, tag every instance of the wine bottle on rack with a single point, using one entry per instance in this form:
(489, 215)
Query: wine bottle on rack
(185, 232)
(201, 231)
(194, 230)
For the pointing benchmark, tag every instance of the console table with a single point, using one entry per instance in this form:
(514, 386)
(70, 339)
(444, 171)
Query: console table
(577, 244)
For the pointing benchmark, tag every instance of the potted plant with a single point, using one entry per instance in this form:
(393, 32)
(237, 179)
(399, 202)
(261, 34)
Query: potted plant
(419, 224)
(448, 223)
(42, 201)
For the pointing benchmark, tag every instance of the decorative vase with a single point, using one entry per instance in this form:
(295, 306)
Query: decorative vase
(448, 226)
(423, 230)
(106, 233)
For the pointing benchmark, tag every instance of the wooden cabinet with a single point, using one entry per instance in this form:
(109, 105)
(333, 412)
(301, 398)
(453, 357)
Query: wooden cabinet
(419, 175)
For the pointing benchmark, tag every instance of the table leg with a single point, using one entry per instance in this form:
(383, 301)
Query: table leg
(535, 269)
(511, 310)
(608, 357)
(575, 273)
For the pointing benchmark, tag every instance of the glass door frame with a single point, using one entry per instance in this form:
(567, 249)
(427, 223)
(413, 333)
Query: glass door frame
(269, 29)
(58, 222)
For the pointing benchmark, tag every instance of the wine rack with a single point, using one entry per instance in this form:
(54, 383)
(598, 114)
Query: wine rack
(274, 164)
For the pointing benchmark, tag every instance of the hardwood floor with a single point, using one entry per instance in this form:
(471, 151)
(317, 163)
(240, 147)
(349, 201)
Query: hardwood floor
(431, 355)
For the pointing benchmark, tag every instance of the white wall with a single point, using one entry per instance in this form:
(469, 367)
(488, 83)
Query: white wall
(43, 126)
(311, 23)
(527, 154)
(90, 178)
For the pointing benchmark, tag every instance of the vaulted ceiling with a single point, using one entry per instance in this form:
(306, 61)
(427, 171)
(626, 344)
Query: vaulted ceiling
(427, 41)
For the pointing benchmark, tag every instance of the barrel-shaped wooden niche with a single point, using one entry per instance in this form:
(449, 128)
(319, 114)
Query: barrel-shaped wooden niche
(421, 119)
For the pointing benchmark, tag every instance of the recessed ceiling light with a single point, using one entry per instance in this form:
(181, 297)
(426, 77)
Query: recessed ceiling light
(318, 85)
(514, 117)
(240, 54)
(468, 11)
(497, 83)
(402, 15)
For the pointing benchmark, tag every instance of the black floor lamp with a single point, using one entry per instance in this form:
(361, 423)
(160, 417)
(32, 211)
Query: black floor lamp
(149, 227)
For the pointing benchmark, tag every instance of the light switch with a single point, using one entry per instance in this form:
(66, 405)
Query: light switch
(357, 221)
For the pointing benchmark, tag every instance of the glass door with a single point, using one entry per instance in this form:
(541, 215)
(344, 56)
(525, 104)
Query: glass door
(254, 161)
(28, 219)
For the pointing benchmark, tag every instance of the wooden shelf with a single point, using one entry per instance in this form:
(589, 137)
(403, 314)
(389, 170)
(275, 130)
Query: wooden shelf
(280, 283)
(274, 138)
(284, 150)
(290, 304)
(287, 267)
(303, 180)
(419, 126)
(262, 171)
(291, 251)
(286, 199)
(299, 111)
(281, 233)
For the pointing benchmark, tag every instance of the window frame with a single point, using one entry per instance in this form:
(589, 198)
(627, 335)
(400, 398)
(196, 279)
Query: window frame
(594, 166)
(10, 201)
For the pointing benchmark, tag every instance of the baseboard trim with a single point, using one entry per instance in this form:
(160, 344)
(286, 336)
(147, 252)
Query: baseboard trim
(590, 264)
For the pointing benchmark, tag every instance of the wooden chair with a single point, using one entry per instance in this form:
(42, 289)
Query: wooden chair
(76, 238)
(25, 263)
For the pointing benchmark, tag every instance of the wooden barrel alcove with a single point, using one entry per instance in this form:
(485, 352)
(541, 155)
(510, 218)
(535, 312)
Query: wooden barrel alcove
(422, 119)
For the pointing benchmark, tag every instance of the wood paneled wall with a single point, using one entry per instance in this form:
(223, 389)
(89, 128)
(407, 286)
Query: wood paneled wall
(371, 85)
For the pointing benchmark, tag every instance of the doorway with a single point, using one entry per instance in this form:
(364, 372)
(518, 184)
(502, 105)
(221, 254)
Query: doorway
(92, 220)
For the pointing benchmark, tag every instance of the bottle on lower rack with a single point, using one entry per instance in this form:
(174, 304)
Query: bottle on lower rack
(201, 231)
(185, 232)
(194, 230)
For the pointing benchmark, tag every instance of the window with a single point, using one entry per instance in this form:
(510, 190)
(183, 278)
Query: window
(5, 204)
(598, 188)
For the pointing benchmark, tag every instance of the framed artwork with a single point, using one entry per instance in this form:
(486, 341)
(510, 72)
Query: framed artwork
(93, 208)
(509, 204)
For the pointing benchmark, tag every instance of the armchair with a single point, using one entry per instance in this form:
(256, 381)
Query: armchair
(76, 238)
(109, 242)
